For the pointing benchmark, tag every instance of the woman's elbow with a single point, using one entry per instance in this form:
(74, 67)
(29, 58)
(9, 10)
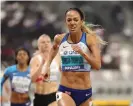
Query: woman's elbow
(33, 78)
(97, 66)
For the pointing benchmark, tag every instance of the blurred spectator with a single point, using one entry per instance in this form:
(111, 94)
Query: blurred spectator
(23, 22)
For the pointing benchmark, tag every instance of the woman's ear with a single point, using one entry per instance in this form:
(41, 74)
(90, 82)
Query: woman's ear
(82, 23)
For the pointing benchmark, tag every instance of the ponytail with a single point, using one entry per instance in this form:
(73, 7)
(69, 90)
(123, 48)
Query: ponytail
(86, 28)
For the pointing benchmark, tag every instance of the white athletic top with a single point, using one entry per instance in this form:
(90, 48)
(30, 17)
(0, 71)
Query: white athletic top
(54, 69)
(54, 76)
(71, 60)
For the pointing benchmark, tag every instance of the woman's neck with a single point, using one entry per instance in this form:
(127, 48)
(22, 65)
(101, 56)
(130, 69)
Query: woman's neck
(75, 37)
(22, 67)
(45, 53)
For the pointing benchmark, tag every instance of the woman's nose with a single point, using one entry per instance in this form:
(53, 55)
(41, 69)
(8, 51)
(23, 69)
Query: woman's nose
(72, 22)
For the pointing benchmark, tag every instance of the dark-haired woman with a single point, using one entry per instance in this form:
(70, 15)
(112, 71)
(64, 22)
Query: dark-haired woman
(79, 51)
(19, 76)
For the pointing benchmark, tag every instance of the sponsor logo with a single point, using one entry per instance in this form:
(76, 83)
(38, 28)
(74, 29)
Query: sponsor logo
(87, 94)
(72, 67)
(65, 46)
(69, 93)
(70, 52)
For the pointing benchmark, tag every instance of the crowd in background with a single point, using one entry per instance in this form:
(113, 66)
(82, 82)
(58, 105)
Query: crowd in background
(23, 22)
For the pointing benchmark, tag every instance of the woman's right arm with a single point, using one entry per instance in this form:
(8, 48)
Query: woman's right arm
(53, 52)
(35, 68)
(54, 49)
(3, 79)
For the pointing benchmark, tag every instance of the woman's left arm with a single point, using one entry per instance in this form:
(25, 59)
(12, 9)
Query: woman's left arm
(94, 58)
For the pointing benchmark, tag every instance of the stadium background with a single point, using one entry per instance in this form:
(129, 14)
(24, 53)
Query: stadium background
(23, 22)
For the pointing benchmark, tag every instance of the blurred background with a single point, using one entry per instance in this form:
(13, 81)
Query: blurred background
(22, 22)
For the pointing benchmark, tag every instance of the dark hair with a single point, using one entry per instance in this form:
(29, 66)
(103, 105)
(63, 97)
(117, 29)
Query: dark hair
(23, 49)
(78, 10)
(86, 27)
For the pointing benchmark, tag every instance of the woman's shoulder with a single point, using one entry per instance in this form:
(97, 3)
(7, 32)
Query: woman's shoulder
(36, 59)
(58, 37)
(10, 69)
(91, 38)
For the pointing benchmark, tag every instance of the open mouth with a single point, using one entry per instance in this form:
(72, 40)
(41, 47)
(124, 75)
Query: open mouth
(72, 29)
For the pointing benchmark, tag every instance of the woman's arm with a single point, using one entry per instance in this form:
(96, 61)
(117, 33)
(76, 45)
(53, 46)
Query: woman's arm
(35, 68)
(54, 49)
(94, 58)
(3, 79)
(53, 52)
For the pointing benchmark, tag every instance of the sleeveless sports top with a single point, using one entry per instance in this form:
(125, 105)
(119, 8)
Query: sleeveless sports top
(54, 70)
(20, 81)
(71, 60)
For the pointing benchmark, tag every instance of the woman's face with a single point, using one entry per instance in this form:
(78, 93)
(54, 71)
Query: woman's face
(73, 21)
(44, 44)
(22, 57)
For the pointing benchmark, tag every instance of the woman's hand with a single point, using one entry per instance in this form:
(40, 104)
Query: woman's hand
(77, 48)
(46, 72)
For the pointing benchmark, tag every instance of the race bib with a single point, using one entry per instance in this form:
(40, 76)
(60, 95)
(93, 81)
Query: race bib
(72, 63)
(21, 84)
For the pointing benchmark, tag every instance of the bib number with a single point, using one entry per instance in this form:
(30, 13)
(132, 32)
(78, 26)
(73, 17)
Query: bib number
(72, 63)
(21, 84)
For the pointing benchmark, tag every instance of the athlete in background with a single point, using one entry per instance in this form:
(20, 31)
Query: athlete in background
(45, 91)
(19, 76)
